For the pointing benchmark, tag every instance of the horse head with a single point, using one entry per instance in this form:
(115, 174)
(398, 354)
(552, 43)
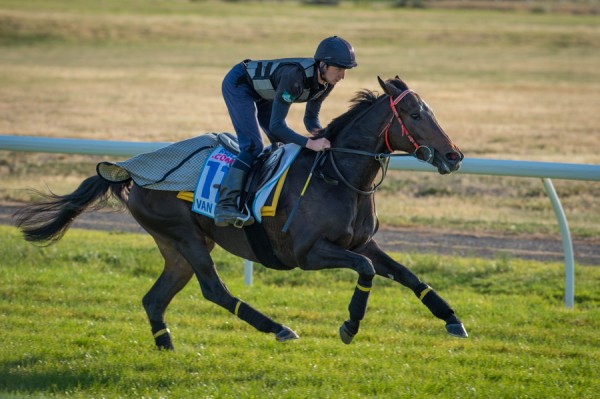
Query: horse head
(413, 128)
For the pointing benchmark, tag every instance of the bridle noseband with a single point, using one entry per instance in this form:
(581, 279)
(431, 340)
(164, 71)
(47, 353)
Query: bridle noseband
(405, 132)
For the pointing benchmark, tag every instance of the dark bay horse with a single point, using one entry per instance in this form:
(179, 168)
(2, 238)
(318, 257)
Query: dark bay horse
(333, 226)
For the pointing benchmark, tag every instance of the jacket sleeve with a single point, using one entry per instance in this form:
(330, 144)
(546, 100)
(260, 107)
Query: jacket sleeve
(279, 128)
(289, 88)
(313, 108)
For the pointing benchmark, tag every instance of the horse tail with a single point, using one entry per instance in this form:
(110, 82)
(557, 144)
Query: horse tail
(47, 220)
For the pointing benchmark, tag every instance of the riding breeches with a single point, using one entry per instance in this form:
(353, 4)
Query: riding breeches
(247, 110)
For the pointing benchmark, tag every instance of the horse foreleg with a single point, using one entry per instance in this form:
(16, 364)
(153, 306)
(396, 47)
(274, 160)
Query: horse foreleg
(385, 266)
(214, 290)
(357, 308)
(326, 255)
(176, 274)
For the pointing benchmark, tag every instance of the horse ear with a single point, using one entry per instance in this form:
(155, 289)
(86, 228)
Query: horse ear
(389, 89)
(401, 81)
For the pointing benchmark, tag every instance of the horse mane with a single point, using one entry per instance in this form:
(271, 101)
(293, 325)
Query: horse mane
(359, 103)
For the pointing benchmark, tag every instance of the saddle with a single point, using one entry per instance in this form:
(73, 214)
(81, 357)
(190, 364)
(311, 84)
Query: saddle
(263, 168)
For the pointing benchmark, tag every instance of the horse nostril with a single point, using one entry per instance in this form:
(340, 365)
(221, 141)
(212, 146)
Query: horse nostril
(452, 156)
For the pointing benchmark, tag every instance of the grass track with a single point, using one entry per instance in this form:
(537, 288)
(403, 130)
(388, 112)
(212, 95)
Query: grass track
(73, 326)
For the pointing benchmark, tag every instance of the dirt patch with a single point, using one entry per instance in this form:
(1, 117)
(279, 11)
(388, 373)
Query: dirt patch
(398, 239)
(487, 245)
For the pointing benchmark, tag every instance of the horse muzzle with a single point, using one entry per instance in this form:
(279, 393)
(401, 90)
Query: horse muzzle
(446, 163)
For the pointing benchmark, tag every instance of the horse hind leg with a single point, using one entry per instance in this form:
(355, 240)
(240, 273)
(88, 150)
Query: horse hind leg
(176, 274)
(214, 290)
(186, 250)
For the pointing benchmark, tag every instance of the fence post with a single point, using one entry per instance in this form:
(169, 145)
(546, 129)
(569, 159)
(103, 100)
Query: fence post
(567, 243)
(248, 267)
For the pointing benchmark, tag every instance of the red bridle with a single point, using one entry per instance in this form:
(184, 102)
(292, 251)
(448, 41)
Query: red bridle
(395, 114)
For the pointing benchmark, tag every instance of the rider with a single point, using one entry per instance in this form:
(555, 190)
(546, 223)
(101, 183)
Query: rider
(259, 93)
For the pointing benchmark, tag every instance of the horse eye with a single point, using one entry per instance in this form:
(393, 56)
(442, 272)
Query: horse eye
(416, 116)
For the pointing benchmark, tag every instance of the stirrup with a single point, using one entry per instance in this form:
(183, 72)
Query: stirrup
(240, 222)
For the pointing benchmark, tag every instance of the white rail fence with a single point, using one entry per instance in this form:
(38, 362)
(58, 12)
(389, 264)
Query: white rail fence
(544, 170)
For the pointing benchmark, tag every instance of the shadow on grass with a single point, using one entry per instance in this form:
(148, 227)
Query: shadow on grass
(30, 376)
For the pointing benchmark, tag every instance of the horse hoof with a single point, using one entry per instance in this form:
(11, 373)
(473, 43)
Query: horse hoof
(165, 345)
(346, 335)
(457, 330)
(286, 334)
(163, 342)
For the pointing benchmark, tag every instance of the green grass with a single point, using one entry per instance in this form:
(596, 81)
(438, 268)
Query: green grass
(507, 85)
(73, 327)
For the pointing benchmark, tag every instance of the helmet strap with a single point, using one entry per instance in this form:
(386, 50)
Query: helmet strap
(321, 68)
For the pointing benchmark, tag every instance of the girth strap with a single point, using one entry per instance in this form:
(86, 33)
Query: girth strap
(262, 248)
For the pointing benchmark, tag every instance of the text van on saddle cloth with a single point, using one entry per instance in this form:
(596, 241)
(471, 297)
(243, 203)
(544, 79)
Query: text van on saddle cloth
(195, 168)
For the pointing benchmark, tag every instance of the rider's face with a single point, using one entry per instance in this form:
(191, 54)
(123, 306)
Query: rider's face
(333, 74)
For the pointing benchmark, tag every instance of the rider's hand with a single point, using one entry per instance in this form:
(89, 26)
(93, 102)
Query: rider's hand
(318, 144)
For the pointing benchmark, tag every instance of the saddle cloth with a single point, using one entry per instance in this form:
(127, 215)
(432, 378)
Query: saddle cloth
(196, 167)
(175, 167)
(205, 196)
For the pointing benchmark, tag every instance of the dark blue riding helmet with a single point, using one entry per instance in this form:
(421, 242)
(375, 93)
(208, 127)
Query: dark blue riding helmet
(337, 52)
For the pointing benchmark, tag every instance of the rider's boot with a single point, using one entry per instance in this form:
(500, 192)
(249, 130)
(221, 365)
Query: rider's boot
(227, 211)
